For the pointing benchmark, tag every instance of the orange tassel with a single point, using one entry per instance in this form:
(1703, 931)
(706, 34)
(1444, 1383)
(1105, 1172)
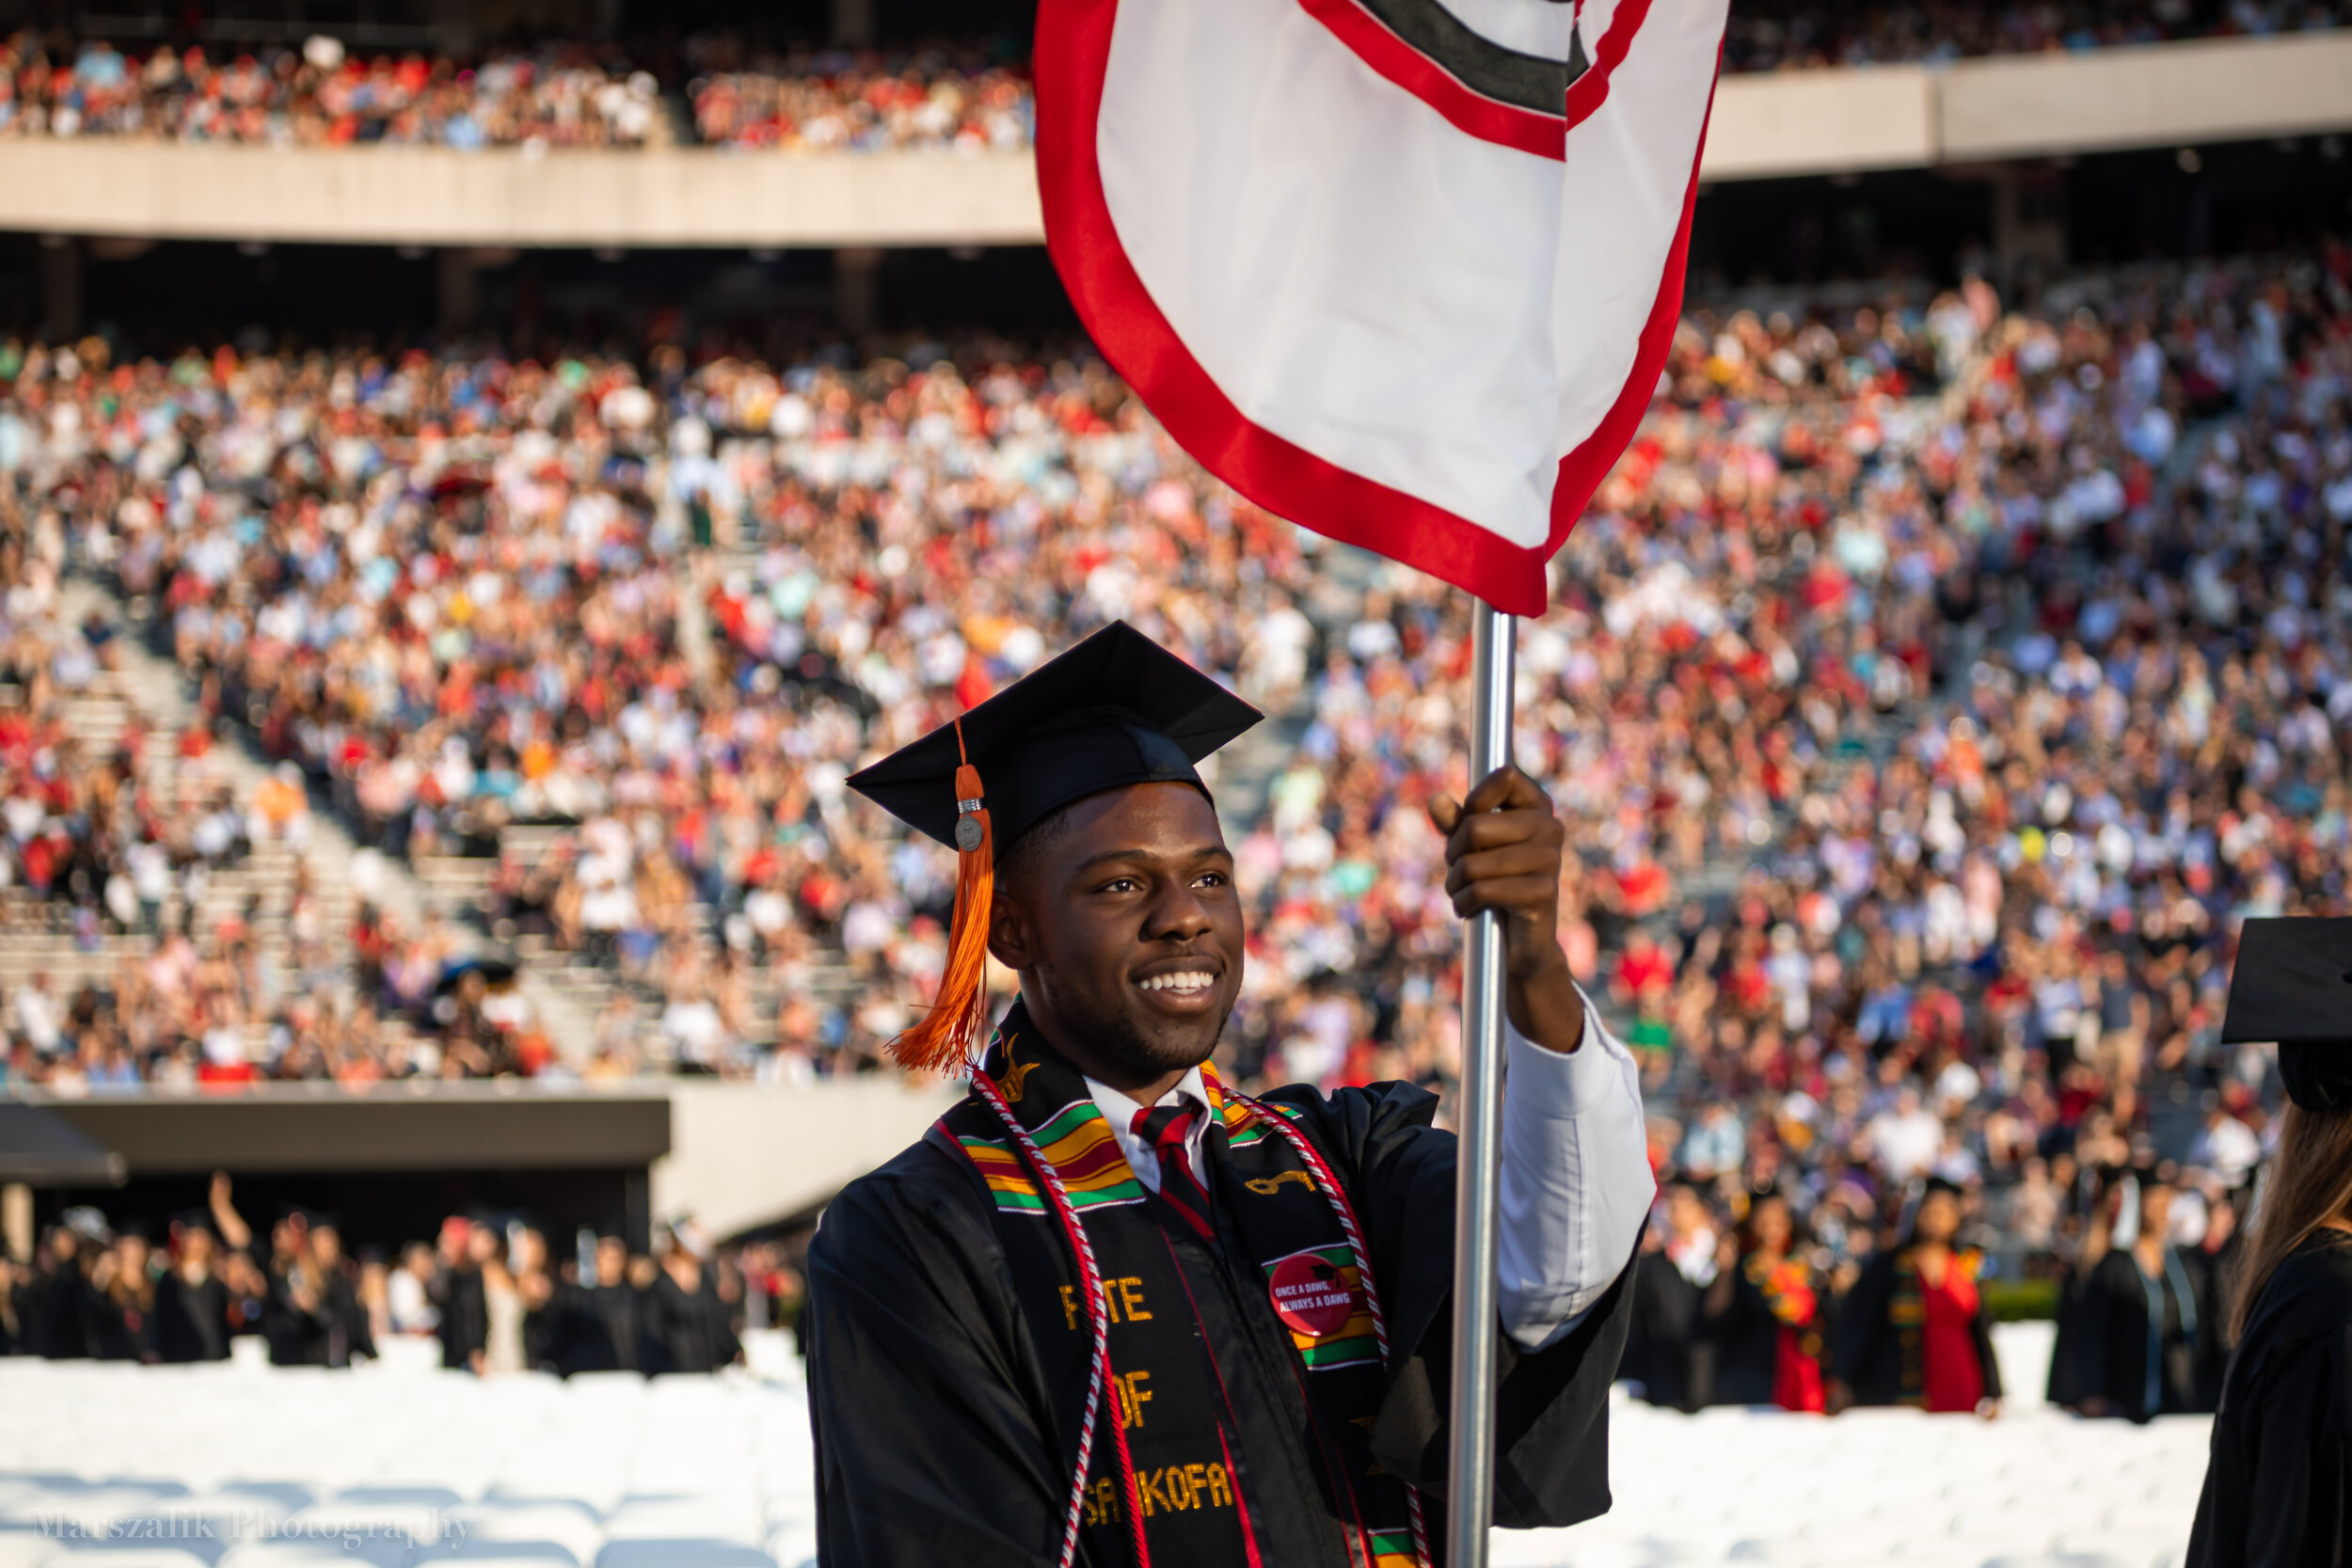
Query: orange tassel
(949, 1036)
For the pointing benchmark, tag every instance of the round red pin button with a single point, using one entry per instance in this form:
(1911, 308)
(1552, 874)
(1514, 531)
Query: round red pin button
(1311, 1297)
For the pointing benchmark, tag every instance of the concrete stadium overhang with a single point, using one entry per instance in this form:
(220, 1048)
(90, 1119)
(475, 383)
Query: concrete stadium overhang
(1765, 126)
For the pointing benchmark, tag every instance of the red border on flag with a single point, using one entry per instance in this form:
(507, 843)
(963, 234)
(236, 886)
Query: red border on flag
(1590, 91)
(1583, 470)
(1467, 109)
(1464, 108)
(1070, 58)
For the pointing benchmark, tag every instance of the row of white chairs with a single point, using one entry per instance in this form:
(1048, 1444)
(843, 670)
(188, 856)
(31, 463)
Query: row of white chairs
(398, 1469)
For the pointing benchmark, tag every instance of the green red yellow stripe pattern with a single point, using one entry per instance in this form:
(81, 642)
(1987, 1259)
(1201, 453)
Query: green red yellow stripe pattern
(1242, 1127)
(1078, 1142)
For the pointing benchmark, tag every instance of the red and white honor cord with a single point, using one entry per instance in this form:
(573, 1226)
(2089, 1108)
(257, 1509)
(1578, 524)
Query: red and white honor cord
(1313, 1158)
(1098, 1316)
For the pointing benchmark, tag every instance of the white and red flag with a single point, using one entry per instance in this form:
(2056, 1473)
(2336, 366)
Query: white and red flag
(1401, 271)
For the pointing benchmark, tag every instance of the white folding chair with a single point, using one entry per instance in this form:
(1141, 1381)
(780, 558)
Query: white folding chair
(2149, 1548)
(682, 1553)
(370, 1552)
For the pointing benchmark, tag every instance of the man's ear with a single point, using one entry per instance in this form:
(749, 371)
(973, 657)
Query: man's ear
(1012, 933)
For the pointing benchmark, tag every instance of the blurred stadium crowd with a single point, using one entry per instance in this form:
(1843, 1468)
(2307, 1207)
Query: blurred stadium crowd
(728, 91)
(553, 96)
(823, 101)
(1930, 690)
(1786, 35)
(487, 1290)
(492, 602)
(321, 95)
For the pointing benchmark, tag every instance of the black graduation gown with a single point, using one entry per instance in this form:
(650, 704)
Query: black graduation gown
(66, 1315)
(1746, 1339)
(122, 1327)
(1661, 1352)
(2279, 1484)
(689, 1328)
(465, 1326)
(2066, 1387)
(344, 1317)
(2111, 1335)
(576, 1340)
(108, 1334)
(2217, 1273)
(546, 1333)
(621, 1309)
(249, 1314)
(608, 1329)
(191, 1321)
(936, 1438)
(298, 1335)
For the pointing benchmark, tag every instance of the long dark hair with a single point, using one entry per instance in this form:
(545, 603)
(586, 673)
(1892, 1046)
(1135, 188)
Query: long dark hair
(1800, 1237)
(2308, 1184)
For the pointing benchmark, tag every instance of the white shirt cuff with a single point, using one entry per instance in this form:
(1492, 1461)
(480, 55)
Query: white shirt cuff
(1575, 1180)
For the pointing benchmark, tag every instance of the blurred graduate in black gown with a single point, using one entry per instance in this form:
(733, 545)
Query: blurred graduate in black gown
(192, 1299)
(1664, 1357)
(2279, 1484)
(2143, 1317)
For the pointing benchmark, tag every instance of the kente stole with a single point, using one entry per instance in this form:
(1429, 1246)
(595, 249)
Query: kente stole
(1165, 1385)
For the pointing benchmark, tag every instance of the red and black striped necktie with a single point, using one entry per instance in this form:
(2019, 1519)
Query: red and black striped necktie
(1168, 1129)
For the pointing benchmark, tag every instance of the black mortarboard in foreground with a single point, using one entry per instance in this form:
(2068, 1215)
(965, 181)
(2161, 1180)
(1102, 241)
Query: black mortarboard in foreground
(1116, 709)
(2293, 984)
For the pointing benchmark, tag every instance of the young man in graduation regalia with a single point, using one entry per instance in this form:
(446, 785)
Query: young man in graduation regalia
(1110, 1310)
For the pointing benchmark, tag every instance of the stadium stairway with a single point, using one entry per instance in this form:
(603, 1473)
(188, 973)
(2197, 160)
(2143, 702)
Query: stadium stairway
(457, 885)
(583, 990)
(1246, 769)
(341, 870)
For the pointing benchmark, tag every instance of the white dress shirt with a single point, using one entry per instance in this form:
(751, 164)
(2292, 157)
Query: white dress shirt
(1576, 1175)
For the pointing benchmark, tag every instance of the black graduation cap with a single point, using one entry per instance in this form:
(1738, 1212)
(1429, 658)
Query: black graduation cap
(1116, 709)
(2293, 984)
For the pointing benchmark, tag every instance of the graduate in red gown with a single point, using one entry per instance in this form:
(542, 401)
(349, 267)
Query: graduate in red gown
(1914, 1330)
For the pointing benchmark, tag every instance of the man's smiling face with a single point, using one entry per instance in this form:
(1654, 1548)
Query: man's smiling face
(1120, 916)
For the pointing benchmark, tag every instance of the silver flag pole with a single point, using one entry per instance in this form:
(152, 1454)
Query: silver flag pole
(1477, 1198)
